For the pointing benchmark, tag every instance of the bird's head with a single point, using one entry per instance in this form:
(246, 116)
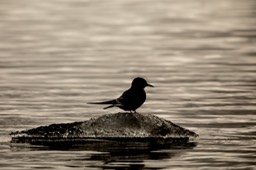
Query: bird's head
(140, 83)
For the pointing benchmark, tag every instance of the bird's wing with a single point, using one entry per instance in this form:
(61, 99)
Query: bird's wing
(125, 97)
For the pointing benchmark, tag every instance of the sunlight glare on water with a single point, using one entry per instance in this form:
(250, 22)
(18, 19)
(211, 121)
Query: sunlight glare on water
(57, 55)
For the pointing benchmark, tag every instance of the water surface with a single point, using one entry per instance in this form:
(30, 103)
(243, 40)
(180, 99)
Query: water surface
(56, 55)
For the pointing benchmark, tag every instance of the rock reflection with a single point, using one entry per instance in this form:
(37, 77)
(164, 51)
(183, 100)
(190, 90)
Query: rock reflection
(114, 155)
(133, 157)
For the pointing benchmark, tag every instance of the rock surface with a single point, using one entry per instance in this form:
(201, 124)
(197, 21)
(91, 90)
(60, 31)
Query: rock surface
(123, 127)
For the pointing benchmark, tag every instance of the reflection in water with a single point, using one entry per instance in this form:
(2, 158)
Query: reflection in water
(134, 157)
(112, 155)
(56, 55)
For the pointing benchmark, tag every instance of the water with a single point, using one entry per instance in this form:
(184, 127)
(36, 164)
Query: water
(56, 55)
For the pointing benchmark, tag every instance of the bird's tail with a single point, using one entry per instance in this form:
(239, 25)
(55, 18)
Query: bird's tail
(111, 102)
(105, 102)
(109, 106)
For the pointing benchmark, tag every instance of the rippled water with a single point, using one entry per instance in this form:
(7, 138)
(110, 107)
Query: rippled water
(56, 55)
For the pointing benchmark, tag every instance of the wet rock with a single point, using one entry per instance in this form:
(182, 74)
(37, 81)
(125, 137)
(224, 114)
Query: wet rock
(122, 127)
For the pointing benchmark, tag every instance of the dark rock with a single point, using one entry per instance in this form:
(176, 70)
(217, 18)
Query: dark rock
(120, 127)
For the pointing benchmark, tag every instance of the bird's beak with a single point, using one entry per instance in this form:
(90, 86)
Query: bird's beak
(150, 85)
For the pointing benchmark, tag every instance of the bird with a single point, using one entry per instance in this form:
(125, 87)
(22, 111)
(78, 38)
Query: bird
(131, 99)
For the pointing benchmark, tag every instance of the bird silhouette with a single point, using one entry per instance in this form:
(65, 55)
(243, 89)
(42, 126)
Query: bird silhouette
(131, 99)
